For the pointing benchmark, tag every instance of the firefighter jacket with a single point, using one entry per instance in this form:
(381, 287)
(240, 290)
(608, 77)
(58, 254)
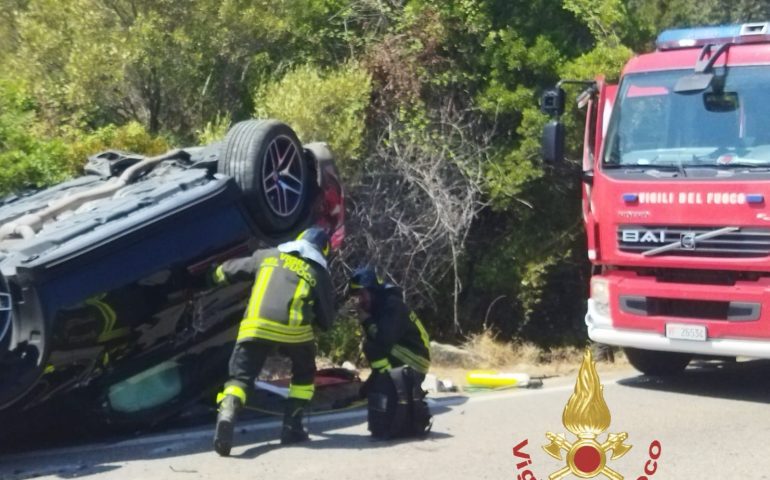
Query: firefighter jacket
(290, 294)
(394, 334)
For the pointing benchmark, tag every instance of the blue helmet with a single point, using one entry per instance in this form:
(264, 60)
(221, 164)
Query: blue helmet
(364, 277)
(319, 238)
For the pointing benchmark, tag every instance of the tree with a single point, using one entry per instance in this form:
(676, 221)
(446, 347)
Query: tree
(169, 64)
(413, 205)
(657, 15)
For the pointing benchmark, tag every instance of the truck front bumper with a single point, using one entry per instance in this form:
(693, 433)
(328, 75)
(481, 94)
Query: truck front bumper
(601, 330)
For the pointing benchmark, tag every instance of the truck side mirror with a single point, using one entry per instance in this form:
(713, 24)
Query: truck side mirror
(553, 142)
(721, 102)
(552, 102)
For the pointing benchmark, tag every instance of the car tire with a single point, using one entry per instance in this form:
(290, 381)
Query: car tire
(267, 161)
(657, 363)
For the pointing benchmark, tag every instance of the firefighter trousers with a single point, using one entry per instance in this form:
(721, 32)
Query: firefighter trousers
(249, 357)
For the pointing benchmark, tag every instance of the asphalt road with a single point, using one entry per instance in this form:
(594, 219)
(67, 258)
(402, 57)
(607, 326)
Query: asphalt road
(712, 422)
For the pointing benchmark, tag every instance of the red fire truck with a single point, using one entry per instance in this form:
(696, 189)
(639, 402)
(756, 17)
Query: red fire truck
(676, 193)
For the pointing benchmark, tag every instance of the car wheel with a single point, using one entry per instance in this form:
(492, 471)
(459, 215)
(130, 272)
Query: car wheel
(657, 363)
(266, 160)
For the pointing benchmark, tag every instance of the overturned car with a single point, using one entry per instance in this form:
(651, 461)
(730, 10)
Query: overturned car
(103, 299)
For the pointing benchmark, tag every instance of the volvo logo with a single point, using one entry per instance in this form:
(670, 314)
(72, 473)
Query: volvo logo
(688, 241)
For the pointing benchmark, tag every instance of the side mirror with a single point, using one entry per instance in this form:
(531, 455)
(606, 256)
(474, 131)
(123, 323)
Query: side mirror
(553, 142)
(721, 102)
(552, 102)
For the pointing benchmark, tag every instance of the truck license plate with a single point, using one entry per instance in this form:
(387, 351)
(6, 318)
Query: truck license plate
(686, 332)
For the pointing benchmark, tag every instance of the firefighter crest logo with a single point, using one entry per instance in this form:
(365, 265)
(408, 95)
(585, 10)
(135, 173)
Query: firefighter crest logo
(587, 416)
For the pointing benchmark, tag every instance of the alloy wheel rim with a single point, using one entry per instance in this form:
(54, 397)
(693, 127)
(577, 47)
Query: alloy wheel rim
(283, 176)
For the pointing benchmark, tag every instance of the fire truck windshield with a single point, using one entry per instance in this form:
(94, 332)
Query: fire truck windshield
(725, 126)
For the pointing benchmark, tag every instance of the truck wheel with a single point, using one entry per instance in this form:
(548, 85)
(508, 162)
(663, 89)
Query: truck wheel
(266, 160)
(657, 363)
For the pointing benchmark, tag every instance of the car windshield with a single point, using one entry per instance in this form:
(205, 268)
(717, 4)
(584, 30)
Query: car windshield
(726, 125)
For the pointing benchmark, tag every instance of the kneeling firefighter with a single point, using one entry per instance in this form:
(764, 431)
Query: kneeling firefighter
(397, 347)
(292, 290)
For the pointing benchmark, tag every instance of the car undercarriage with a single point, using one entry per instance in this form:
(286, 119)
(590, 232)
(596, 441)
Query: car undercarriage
(104, 302)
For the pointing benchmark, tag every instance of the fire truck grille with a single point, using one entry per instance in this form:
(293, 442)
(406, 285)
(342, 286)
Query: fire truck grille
(694, 241)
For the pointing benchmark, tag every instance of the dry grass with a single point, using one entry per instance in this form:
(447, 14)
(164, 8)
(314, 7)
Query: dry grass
(484, 351)
(488, 352)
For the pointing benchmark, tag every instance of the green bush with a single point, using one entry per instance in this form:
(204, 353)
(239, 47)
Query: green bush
(321, 105)
(342, 342)
(27, 158)
(30, 157)
(214, 130)
(131, 137)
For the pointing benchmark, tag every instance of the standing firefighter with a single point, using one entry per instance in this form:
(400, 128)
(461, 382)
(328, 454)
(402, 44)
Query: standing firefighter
(397, 347)
(292, 290)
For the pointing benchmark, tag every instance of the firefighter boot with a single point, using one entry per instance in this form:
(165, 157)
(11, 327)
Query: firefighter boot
(223, 436)
(293, 431)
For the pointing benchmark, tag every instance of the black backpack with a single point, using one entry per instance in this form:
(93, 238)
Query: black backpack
(397, 406)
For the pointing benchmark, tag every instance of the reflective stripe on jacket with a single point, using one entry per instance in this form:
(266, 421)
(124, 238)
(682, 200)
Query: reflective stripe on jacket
(395, 335)
(289, 295)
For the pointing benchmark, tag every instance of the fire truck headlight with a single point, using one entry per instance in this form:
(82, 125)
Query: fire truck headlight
(600, 294)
